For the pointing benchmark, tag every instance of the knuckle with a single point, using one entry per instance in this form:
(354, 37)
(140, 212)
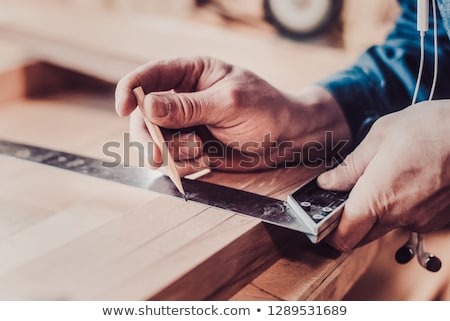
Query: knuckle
(187, 112)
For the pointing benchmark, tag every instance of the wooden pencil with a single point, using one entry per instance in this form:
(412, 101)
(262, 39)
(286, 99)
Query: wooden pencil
(158, 139)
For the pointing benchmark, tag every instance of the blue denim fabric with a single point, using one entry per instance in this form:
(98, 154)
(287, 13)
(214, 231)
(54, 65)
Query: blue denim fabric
(383, 78)
(444, 7)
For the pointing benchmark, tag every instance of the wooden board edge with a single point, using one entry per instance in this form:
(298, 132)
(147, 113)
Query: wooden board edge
(339, 282)
(255, 250)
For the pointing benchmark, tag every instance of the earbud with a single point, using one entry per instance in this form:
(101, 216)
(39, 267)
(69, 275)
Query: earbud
(427, 260)
(423, 11)
(407, 251)
(414, 246)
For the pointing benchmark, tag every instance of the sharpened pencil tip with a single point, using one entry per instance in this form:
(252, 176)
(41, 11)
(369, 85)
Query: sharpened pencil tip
(185, 197)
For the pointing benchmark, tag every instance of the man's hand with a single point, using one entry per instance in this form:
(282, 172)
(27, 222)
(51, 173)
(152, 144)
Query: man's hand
(214, 101)
(400, 175)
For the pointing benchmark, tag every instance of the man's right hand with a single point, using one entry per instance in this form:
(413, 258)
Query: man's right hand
(212, 100)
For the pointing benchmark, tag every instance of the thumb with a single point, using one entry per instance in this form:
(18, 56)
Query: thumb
(346, 174)
(178, 110)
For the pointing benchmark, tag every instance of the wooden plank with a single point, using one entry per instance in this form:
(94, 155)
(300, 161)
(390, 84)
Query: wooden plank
(121, 268)
(150, 260)
(32, 187)
(189, 231)
(94, 233)
(9, 170)
(336, 285)
(174, 267)
(277, 183)
(52, 233)
(330, 274)
(94, 248)
(58, 189)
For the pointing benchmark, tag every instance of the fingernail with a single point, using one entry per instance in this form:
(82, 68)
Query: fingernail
(160, 106)
(118, 105)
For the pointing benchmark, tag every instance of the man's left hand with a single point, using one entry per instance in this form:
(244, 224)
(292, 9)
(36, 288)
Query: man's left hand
(399, 176)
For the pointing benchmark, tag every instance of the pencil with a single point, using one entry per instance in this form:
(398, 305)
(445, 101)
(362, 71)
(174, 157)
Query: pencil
(158, 139)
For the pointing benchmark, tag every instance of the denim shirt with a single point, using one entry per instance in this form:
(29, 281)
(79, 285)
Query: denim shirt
(384, 77)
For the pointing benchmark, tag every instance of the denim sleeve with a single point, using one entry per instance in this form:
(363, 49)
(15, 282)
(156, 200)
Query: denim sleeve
(384, 77)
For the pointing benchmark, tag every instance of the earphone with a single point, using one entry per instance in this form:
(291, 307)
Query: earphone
(414, 245)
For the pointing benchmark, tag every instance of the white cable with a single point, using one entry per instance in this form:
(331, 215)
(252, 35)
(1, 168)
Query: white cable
(436, 51)
(422, 58)
(422, 27)
(419, 236)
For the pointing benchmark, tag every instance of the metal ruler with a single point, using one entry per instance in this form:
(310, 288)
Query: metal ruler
(266, 209)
